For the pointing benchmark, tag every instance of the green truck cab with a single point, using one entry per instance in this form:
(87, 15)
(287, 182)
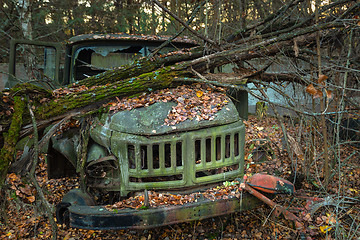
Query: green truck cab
(132, 152)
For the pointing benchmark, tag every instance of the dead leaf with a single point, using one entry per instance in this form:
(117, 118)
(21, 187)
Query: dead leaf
(319, 94)
(44, 100)
(316, 93)
(307, 217)
(199, 93)
(31, 199)
(311, 89)
(296, 147)
(357, 17)
(321, 79)
(328, 93)
(325, 229)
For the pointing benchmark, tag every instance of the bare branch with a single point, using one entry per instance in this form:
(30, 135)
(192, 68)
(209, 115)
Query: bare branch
(215, 44)
(178, 33)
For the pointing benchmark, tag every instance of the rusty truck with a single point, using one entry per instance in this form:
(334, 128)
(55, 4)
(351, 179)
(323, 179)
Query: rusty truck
(133, 152)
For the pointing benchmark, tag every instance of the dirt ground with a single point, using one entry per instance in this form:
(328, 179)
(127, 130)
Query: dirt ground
(333, 220)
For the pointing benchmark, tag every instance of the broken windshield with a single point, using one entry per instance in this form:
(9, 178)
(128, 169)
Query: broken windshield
(92, 60)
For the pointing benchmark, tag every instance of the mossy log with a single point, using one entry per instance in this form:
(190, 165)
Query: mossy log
(146, 82)
(11, 138)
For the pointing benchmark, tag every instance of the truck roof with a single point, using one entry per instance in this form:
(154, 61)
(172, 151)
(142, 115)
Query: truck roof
(128, 37)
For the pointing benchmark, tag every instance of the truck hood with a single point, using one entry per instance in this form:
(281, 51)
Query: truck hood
(151, 120)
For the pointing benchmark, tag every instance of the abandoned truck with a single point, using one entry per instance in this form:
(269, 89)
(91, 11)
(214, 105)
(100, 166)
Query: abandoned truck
(134, 152)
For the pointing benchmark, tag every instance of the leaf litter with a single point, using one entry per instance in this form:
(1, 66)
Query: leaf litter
(196, 101)
(26, 222)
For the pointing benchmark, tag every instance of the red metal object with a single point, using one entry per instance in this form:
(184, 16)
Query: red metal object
(270, 184)
(278, 209)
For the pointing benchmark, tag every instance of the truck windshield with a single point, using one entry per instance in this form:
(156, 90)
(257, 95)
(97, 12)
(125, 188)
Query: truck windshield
(92, 60)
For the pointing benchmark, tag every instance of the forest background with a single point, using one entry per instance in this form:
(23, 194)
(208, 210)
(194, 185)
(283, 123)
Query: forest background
(323, 36)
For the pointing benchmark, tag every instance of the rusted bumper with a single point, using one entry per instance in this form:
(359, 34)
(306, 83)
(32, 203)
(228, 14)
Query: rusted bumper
(98, 217)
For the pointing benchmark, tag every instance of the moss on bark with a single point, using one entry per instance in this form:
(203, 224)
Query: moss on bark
(145, 82)
(11, 138)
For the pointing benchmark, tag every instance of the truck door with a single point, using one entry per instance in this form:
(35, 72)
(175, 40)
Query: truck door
(34, 61)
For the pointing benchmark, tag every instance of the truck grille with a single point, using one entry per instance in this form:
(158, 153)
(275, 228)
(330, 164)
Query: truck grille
(180, 160)
(216, 155)
(155, 157)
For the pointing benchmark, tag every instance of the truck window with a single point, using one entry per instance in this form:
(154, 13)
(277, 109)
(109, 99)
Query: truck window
(92, 60)
(35, 64)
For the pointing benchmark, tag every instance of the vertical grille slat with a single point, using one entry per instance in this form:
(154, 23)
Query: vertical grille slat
(137, 158)
(143, 154)
(222, 148)
(173, 156)
(232, 146)
(162, 155)
(213, 150)
(149, 151)
(203, 152)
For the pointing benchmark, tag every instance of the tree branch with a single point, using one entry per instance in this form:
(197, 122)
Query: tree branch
(215, 44)
(32, 177)
(179, 32)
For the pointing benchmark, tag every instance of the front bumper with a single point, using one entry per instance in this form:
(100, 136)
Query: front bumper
(99, 218)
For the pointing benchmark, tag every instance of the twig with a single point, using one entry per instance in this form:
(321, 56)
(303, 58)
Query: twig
(299, 25)
(75, 112)
(186, 25)
(269, 18)
(277, 115)
(276, 223)
(341, 107)
(32, 177)
(198, 74)
(326, 169)
(82, 151)
(266, 47)
(268, 216)
(179, 32)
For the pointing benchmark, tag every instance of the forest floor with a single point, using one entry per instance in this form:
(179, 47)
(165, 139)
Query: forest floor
(334, 220)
